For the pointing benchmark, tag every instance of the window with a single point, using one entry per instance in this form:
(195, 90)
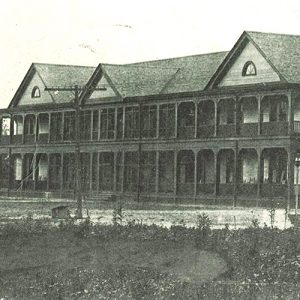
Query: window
(35, 92)
(249, 69)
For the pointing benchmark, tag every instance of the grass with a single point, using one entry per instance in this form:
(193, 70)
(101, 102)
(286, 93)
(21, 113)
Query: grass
(82, 260)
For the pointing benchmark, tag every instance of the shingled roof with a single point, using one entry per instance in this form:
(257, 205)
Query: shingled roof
(173, 75)
(63, 75)
(282, 50)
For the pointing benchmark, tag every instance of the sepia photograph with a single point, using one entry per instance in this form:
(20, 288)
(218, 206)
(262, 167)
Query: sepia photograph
(149, 150)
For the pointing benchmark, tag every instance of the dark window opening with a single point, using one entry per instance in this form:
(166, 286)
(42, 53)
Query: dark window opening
(249, 69)
(35, 93)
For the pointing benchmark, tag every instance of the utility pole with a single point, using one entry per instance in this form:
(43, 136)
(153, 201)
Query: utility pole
(76, 89)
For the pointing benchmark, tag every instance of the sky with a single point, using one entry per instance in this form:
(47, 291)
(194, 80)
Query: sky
(89, 32)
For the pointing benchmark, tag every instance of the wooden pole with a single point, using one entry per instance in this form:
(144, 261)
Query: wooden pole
(77, 158)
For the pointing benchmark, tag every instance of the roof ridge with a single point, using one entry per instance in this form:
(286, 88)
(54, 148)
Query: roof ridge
(63, 65)
(273, 33)
(176, 57)
(139, 66)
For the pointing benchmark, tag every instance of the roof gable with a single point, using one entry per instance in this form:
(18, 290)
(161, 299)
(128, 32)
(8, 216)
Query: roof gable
(230, 70)
(264, 71)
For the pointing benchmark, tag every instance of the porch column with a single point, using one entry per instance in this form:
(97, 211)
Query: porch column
(216, 189)
(92, 125)
(36, 136)
(34, 171)
(195, 174)
(176, 120)
(62, 125)
(115, 171)
(290, 177)
(49, 127)
(61, 172)
(123, 171)
(157, 172)
(290, 113)
(123, 125)
(10, 173)
(48, 173)
(216, 117)
(99, 124)
(259, 98)
(196, 118)
(23, 133)
(237, 115)
(22, 172)
(259, 175)
(11, 132)
(157, 121)
(175, 173)
(97, 171)
(116, 123)
(91, 171)
(235, 174)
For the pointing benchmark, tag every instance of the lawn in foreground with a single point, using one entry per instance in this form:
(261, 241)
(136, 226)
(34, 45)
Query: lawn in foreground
(58, 264)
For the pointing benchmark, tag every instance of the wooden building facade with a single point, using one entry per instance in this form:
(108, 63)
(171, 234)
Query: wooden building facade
(219, 128)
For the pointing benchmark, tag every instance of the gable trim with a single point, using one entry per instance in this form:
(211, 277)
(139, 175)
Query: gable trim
(28, 76)
(233, 53)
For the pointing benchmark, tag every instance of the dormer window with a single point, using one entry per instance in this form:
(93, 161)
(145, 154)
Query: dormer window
(249, 69)
(35, 92)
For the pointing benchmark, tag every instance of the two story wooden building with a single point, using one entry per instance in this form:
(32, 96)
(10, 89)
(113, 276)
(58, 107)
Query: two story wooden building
(218, 128)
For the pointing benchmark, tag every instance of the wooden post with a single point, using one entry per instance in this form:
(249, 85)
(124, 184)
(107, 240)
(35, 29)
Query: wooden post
(290, 113)
(195, 175)
(216, 118)
(157, 172)
(49, 127)
(175, 174)
(216, 191)
(115, 170)
(36, 129)
(176, 120)
(290, 177)
(157, 121)
(61, 173)
(48, 173)
(259, 98)
(235, 175)
(196, 120)
(77, 156)
(259, 175)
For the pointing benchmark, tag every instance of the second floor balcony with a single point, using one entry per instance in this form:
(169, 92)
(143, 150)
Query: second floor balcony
(249, 116)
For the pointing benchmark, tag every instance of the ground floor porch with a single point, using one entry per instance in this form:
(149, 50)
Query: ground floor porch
(230, 176)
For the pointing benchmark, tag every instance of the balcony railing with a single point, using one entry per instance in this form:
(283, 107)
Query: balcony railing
(226, 130)
(205, 131)
(274, 128)
(248, 129)
(186, 132)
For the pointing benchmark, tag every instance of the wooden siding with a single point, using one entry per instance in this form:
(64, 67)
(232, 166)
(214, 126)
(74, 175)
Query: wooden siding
(102, 94)
(26, 98)
(265, 72)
